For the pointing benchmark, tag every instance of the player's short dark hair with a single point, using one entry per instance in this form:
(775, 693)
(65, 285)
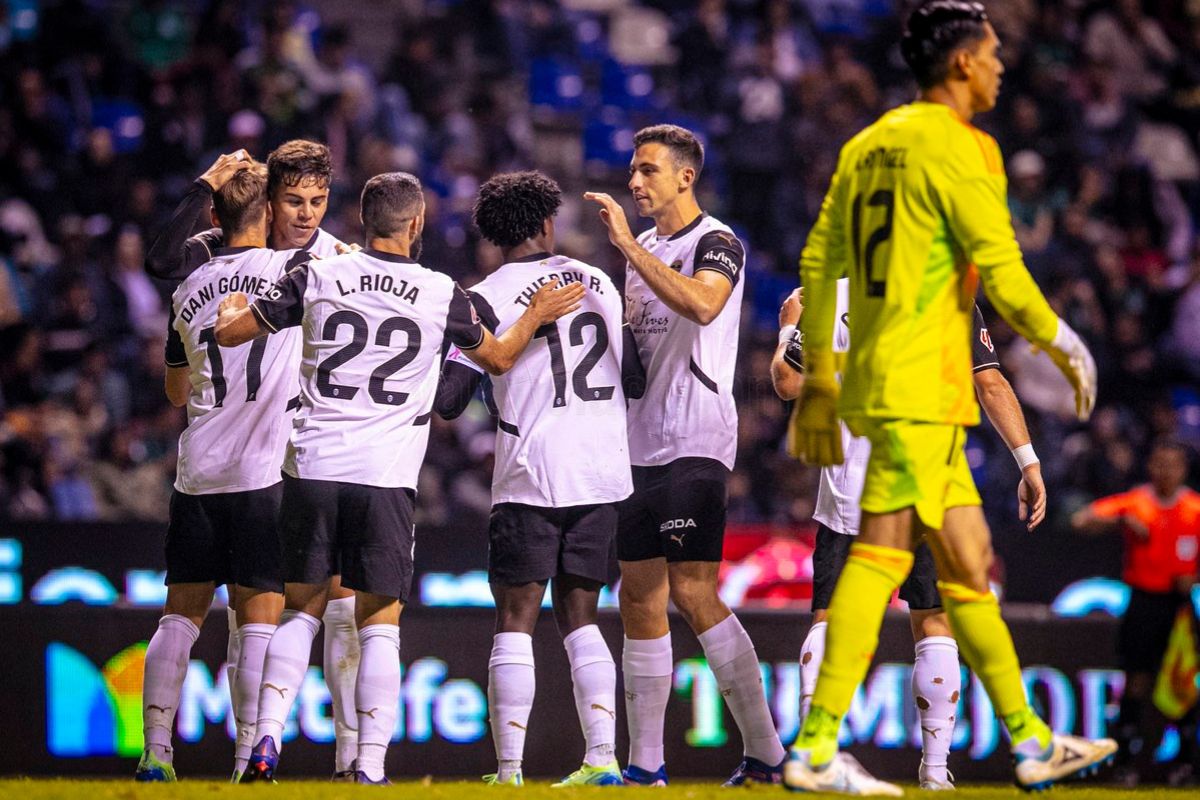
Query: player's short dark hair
(242, 200)
(513, 206)
(934, 31)
(685, 147)
(389, 201)
(299, 162)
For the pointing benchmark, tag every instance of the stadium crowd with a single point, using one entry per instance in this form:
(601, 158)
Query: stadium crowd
(108, 113)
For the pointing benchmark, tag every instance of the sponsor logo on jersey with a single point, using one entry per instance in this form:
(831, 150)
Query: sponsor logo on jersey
(720, 257)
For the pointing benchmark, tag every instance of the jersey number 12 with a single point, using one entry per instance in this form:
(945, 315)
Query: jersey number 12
(558, 364)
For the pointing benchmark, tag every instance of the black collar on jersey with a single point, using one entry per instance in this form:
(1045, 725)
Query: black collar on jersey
(686, 229)
(233, 251)
(394, 258)
(534, 257)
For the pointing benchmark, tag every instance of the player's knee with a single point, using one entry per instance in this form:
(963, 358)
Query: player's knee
(694, 598)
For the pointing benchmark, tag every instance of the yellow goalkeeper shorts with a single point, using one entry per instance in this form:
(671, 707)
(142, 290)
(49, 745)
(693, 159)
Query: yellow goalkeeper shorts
(918, 464)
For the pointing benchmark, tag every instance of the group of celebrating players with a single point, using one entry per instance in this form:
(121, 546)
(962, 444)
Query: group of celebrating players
(615, 418)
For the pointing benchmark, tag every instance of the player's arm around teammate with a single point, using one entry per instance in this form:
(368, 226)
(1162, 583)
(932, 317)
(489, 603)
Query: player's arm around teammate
(237, 324)
(175, 253)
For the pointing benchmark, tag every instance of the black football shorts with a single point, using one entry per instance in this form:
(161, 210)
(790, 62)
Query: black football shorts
(532, 544)
(919, 590)
(367, 531)
(231, 537)
(676, 511)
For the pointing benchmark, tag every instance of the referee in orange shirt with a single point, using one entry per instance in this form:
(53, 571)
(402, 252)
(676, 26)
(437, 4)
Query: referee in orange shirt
(1160, 521)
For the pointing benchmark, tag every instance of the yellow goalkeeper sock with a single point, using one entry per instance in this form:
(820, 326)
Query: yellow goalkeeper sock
(863, 590)
(987, 646)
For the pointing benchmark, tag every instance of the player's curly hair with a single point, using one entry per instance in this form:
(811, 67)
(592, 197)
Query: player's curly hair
(299, 163)
(934, 31)
(513, 206)
(686, 148)
(243, 199)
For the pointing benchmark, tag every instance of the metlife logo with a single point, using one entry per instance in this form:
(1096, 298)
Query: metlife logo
(97, 711)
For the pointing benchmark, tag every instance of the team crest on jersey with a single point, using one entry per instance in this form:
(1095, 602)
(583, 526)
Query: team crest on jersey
(986, 339)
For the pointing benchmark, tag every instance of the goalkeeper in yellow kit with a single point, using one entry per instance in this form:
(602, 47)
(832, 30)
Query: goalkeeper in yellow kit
(916, 216)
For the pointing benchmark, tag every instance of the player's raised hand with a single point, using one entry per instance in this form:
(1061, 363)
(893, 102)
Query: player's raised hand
(551, 302)
(792, 308)
(613, 217)
(1031, 497)
(233, 302)
(814, 434)
(225, 167)
(1072, 357)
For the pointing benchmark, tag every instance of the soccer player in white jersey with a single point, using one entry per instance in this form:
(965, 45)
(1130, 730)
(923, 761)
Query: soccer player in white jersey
(374, 323)
(554, 512)
(299, 174)
(222, 527)
(683, 297)
(936, 679)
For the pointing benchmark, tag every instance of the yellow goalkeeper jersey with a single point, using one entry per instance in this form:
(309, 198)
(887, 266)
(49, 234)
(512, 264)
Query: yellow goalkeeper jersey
(915, 215)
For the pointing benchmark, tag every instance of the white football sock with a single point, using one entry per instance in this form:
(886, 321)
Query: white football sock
(731, 657)
(647, 665)
(377, 695)
(166, 667)
(253, 639)
(283, 672)
(232, 651)
(936, 683)
(511, 686)
(594, 677)
(341, 668)
(812, 652)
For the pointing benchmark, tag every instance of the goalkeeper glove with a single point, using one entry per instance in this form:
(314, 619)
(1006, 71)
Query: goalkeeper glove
(814, 434)
(1071, 356)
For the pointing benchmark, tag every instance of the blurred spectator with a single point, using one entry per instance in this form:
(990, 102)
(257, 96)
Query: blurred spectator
(1133, 45)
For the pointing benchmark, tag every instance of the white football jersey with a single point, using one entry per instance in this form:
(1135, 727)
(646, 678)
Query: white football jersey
(238, 412)
(373, 328)
(688, 408)
(840, 487)
(323, 245)
(561, 438)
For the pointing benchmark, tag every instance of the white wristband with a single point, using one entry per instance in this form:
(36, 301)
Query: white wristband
(1025, 456)
(785, 333)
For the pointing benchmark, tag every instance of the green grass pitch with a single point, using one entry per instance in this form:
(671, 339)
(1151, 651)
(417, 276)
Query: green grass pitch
(54, 789)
